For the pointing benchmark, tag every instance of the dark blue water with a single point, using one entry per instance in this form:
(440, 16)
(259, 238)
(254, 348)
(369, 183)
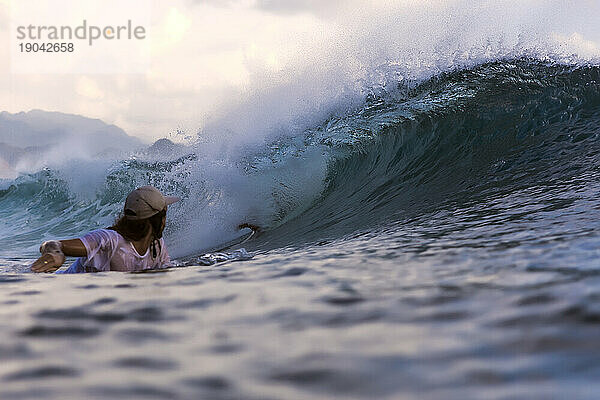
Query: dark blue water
(451, 252)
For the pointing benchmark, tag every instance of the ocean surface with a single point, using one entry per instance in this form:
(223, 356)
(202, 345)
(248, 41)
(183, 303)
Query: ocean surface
(437, 240)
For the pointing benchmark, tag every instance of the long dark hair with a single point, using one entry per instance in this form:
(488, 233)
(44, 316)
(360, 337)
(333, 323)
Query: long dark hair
(136, 229)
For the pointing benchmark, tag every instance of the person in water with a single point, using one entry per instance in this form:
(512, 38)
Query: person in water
(133, 243)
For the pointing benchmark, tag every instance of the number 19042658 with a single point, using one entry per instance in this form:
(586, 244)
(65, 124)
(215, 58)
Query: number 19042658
(46, 47)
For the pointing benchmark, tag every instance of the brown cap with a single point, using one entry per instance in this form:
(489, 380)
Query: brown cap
(145, 202)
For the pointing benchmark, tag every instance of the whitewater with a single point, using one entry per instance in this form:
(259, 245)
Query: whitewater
(427, 188)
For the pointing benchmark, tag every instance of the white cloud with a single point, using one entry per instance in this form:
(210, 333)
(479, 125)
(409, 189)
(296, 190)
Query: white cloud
(171, 31)
(286, 58)
(88, 88)
(320, 8)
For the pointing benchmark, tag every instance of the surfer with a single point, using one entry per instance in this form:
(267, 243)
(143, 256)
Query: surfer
(133, 243)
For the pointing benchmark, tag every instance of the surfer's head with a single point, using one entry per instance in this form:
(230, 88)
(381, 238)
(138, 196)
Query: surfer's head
(146, 201)
(145, 209)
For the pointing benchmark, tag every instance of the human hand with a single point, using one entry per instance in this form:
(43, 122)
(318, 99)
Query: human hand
(48, 262)
(249, 226)
(52, 257)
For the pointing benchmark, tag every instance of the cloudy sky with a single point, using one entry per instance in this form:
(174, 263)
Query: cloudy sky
(207, 57)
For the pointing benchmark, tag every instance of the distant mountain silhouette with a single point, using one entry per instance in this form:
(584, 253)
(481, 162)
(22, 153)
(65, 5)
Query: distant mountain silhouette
(165, 148)
(42, 129)
(28, 139)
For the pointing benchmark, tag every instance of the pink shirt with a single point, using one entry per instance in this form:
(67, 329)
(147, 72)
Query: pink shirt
(107, 250)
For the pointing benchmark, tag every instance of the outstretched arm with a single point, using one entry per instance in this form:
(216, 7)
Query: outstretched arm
(54, 252)
(73, 248)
